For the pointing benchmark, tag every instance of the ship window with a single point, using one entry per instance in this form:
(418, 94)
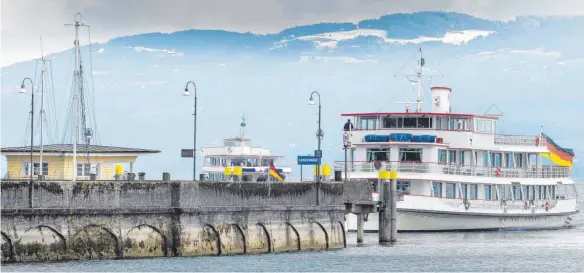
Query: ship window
(410, 155)
(425, 122)
(410, 122)
(378, 154)
(404, 187)
(393, 122)
(488, 190)
(452, 156)
(472, 191)
(451, 190)
(464, 190)
(368, 123)
(442, 156)
(437, 189)
(517, 192)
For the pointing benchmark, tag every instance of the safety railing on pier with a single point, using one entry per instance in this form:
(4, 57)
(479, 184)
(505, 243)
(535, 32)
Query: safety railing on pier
(519, 140)
(451, 169)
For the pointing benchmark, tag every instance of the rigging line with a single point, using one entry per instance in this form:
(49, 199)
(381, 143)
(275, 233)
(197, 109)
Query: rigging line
(95, 130)
(25, 136)
(55, 129)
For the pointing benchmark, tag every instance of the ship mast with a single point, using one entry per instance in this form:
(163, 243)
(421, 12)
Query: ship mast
(419, 80)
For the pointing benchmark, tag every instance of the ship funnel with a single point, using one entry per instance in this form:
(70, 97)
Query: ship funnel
(440, 99)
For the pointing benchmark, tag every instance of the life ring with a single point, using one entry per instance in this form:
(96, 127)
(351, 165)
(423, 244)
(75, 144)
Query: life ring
(498, 171)
(547, 205)
(536, 141)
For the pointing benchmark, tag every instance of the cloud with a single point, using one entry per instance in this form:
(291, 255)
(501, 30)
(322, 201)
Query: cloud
(502, 53)
(113, 18)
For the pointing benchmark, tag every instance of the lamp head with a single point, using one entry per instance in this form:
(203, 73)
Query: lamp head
(186, 93)
(22, 89)
(311, 101)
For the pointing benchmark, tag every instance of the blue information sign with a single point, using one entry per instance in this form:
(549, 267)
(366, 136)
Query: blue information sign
(318, 153)
(308, 160)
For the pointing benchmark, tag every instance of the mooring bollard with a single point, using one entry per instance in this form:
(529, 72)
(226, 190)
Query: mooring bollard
(388, 206)
(360, 224)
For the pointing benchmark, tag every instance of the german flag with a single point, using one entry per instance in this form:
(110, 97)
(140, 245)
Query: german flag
(558, 155)
(275, 173)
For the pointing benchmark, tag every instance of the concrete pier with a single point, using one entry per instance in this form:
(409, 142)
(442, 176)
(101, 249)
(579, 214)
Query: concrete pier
(48, 221)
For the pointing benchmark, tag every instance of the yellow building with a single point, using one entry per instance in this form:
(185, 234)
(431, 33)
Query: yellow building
(58, 161)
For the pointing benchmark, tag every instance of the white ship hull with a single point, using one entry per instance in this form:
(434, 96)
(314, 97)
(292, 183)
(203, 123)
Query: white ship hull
(442, 221)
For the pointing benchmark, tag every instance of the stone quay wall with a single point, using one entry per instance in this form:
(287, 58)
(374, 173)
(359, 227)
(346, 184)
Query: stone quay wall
(48, 221)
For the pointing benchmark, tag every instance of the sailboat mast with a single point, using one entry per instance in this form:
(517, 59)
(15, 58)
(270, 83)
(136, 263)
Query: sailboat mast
(76, 89)
(42, 112)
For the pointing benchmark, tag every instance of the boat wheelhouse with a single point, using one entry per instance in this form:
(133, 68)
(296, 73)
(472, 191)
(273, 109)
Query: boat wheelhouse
(458, 171)
(238, 152)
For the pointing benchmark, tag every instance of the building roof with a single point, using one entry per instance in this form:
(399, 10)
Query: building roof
(81, 148)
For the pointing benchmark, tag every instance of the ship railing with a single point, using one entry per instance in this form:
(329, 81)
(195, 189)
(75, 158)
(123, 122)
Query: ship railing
(515, 205)
(455, 169)
(520, 140)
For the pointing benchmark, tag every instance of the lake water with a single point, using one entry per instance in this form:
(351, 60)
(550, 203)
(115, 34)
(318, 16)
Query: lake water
(526, 251)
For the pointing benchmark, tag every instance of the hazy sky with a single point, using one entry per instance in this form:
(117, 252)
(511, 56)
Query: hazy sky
(23, 22)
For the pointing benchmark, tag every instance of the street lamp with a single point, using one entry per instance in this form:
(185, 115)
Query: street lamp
(23, 90)
(319, 133)
(187, 93)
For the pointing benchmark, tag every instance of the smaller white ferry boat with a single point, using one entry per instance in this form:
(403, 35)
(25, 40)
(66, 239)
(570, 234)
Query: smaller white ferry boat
(458, 171)
(238, 152)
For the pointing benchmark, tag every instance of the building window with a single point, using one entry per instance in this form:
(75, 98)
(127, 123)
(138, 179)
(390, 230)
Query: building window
(442, 156)
(404, 187)
(437, 188)
(378, 154)
(87, 169)
(472, 191)
(451, 190)
(410, 155)
(391, 122)
(36, 168)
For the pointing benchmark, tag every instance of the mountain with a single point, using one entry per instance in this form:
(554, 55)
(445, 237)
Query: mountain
(530, 68)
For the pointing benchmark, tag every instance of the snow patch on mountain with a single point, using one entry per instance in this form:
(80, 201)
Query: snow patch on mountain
(331, 39)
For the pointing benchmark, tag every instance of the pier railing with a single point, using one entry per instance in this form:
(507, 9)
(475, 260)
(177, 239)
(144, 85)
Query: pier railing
(451, 169)
(520, 140)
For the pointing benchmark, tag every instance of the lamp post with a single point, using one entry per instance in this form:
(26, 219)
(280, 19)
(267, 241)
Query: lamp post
(187, 93)
(319, 133)
(23, 90)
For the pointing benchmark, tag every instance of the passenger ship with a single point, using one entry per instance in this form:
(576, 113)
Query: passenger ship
(238, 152)
(457, 172)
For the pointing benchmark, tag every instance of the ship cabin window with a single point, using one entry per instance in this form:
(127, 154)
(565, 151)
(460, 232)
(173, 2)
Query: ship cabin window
(473, 191)
(464, 191)
(458, 124)
(407, 122)
(368, 123)
(484, 125)
(409, 155)
(437, 189)
(378, 154)
(517, 195)
(404, 187)
(451, 190)
(442, 156)
(490, 193)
